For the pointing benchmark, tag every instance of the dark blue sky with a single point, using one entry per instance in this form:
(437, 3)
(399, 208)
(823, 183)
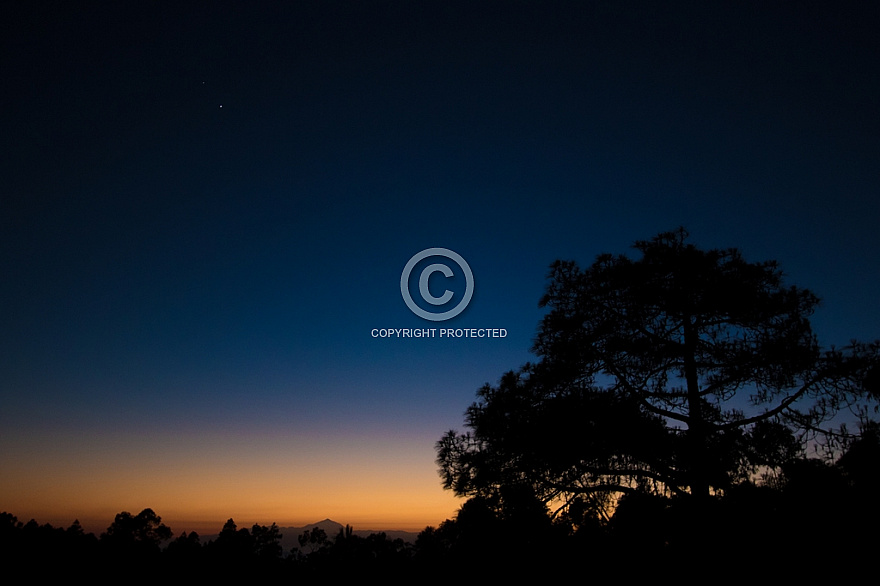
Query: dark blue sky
(206, 209)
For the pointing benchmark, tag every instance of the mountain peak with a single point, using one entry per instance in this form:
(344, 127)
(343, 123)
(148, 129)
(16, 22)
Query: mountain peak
(328, 525)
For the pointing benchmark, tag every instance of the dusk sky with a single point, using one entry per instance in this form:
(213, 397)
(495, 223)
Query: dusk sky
(206, 209)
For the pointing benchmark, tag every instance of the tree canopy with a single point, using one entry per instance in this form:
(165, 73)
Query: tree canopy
(145, 528)
(680, 372)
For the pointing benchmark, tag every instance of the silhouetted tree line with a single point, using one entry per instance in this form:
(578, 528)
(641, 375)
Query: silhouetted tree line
(139, 541)
(811, 512)
(812, 508)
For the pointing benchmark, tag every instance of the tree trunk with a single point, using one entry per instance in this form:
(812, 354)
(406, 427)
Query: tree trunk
(696, 433)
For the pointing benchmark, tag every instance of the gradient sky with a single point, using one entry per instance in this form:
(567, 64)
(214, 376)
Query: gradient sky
(205, 210)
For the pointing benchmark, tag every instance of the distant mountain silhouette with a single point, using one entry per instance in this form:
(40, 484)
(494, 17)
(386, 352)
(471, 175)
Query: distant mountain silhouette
(289, 535)
(330, 527)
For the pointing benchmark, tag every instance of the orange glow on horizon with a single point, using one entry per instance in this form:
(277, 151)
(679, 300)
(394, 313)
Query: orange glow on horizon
(369, 483)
